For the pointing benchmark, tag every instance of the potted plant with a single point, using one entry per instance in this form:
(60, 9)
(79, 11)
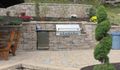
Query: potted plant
(24, 17)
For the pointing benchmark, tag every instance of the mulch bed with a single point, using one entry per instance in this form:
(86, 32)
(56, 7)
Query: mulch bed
(59, 19)
(7, 19)
(117, 66)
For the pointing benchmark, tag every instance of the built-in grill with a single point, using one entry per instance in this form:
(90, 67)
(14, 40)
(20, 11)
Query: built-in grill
(68, 29)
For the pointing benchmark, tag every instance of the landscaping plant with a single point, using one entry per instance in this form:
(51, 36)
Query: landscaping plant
(104, 67)
(16, 21)
(92, 12)
(1, 18)
(105, 41)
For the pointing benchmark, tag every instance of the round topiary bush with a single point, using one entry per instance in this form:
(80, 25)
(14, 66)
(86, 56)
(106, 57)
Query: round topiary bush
(101, 14)
(102, 29)
(102, 49)
(101, 34)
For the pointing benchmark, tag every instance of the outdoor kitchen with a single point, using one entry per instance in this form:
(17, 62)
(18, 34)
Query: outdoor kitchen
(56, 35)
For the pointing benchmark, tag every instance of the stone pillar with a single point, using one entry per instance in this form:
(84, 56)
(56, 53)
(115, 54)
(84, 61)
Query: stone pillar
(90, 31)
(29, 37)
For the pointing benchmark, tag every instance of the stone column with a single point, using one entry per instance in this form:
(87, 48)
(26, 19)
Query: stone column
(29, 37)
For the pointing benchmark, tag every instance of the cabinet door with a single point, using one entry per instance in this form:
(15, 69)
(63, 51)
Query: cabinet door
(42, 40)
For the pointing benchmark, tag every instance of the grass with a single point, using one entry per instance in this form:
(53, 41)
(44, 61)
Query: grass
(113, 14)
(111, 10)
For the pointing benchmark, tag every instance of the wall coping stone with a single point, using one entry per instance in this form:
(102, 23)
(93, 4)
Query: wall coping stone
(56, 4)
(63, 22)
(49, 22)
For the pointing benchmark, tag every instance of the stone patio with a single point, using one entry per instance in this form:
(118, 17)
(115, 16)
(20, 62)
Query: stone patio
(56, 60)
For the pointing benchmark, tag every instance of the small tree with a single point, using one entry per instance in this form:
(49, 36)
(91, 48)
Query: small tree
(101, 34)
(105, 41)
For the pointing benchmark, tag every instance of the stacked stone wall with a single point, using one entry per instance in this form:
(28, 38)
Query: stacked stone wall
(51, 9)
(86, 40)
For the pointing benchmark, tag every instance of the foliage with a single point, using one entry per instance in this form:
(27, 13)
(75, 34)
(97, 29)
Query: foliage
(101, 34)
(104, 67)
(102, 29)
(1, 18)
(114, 14)
(102, 49)
(92, 12)
(101, 14)
(93, 19)
(17, 21)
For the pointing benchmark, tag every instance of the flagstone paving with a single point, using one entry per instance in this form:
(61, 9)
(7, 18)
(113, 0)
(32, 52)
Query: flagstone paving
(58, 60)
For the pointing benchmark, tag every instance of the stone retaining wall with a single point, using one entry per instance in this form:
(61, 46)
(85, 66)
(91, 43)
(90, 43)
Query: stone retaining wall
(51, 9)
(84, 41)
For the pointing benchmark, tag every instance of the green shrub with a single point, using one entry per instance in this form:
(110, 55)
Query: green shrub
(1, 18)
(101, 14)
(15, 22)
(106, 43)
(102, 49)
(92, 12)
(102, 29)
(104, 67)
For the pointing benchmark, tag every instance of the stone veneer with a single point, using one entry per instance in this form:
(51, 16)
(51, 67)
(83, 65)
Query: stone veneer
(86, 40)
(52, 9)
(28, 37)
(68, 43)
